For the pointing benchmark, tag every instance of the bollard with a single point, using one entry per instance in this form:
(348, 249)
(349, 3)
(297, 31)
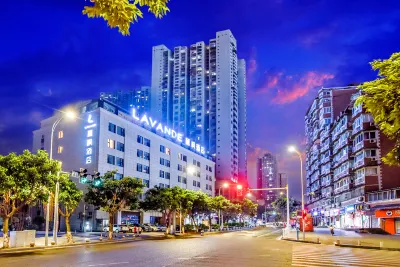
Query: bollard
(317, 239)
(338, 242)
(381, 244)
(358, 243)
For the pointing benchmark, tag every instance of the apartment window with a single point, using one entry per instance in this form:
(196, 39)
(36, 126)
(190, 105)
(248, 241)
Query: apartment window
(121, 131)
(60, 149)
(146, 142)
(194, 162)
(182, 157)
(111, 159)
(167, 175)
(210, 187)
(60, 134)
(162, 148)
(140, 139)
(370, 153)
(184, 180)
(139, 167)
(139, 153)
(198, 184)
(120, 147)
(146, 183)
(369, 135)
(111, 143)
(161, 185)
(162, 174)
(194, 183)
(180, 167)
(112, 127)
(120, 162)
(118, 176)
(198, 164)
(146, 169)
(146, 155)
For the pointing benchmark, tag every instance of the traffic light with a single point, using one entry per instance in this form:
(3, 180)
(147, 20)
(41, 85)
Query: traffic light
(83, 176)
(96, 179)
(239, 190)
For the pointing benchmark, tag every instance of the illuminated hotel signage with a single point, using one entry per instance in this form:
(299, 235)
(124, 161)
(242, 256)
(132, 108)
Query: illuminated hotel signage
(148, 121)
(89, 128)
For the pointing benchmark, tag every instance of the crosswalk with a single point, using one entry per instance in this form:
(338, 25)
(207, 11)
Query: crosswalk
(308, 255)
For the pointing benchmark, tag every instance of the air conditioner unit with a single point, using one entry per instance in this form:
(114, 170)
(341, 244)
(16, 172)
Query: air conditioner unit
(372, 141)
(374, 159)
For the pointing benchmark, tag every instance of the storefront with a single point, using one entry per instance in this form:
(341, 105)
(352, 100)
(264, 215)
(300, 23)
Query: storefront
(389, 220)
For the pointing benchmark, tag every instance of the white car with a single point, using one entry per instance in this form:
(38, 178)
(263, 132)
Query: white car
(116, 228)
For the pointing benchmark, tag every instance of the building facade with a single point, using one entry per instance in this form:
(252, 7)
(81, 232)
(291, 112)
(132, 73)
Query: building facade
(138, 99)
(268, 177)
(201, 91)
(107, 137)
(343, 160)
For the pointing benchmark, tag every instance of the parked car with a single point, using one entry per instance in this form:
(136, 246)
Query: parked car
(116, 228)
(151, 227)
(146, 227)
(126, 228)
(161, 228)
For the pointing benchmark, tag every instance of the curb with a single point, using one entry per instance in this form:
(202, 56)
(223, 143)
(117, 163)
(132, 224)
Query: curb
(301, 241)
(366, 247)
(33, 249)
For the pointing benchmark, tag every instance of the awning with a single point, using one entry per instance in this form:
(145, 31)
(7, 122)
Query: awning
(386, 207)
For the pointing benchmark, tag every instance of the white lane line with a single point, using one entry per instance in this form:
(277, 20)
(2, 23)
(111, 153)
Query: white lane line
(184, 258)
(270, 233)
(106, 264)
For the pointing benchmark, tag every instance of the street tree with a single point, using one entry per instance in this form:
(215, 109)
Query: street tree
(248, 208)
(164, 200)
(113, 195)
(381, 98)
(232, 211)
(24, 179)
(200, 206)
(123, 13)
(69, 197)
(186, 204)
(216, 205)
(280, 207)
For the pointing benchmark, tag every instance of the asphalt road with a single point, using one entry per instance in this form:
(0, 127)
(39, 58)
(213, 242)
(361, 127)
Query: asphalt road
(246, 248)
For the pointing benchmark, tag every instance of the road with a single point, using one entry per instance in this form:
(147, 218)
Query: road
(246, 248)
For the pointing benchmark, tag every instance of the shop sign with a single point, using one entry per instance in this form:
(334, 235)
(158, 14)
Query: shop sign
(350, 209)
(89, 129)
(387, 213)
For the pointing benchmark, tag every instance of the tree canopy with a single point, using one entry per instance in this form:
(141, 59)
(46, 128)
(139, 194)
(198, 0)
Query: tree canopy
(381, 98)
(113, 195)
(23, 179)
(123, 13)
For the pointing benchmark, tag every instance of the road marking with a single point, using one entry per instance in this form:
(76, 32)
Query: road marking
(319, 255)
(270, 233)
(201, 257)
(112, 263)
(184, 258)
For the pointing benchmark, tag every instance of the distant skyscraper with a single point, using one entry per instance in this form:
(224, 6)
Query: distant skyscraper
(269, 177)
(282, 180)
(138, 99)
(201, 91)
(259, 178)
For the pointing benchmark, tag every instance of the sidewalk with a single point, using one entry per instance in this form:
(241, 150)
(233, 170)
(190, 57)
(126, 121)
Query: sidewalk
(349, 238)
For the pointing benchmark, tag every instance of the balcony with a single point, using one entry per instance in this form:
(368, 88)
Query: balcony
(365, 162)
(366, 125)
(342, 174)
(342, 189)
(371, 143)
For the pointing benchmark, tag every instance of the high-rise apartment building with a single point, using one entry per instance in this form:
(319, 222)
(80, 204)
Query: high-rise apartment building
(200, 90)
(268, 171)
(138, 99)
(343, 160)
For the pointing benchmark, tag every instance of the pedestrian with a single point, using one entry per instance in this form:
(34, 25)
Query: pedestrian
(331, 228)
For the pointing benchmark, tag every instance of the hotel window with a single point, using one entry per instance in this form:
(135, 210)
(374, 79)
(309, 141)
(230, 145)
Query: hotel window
(111, 127)
(194, 183)
(146, 155)
(60, 149)
(146, 142)
(198, 184)
(111, 143)
(120, 131)
(60, 134)
(139, 153)
(180, 167)
(146, 169)
(140, 139)
(118, 176)
(167, 175)
(162, 174)
(120, 147)
(120, 162)
(146, 183)
(111, 159)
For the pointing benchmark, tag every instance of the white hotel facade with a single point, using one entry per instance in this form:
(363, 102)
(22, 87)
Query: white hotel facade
(106, 137)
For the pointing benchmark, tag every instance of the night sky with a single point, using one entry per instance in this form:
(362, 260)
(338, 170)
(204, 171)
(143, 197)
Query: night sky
(52, 55)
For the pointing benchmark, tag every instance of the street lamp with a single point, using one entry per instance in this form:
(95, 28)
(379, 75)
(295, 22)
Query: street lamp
(69, 115)
(293, 149)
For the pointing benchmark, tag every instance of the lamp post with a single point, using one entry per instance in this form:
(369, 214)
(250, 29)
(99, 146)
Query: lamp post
(293, 149)
(69, 115)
